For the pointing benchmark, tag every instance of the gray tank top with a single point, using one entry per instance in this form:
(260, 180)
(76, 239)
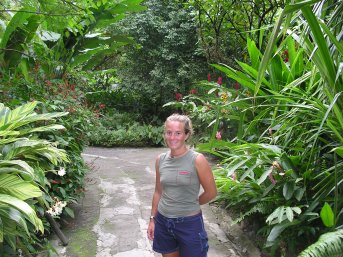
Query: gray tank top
(180, 185)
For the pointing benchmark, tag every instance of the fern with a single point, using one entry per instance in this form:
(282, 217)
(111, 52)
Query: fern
(328, 245)
(260, 207)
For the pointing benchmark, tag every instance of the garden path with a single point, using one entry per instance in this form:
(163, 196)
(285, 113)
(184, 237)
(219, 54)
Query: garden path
(112, 219)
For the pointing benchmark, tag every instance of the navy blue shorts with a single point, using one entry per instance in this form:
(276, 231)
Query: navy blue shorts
(185, 234)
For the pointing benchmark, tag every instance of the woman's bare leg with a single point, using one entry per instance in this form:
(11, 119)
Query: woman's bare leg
(174, 254)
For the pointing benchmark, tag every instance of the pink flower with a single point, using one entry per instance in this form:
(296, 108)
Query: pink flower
(220, 80)
(219, 135)
(209, 77)
(178, 96)
(193, 91)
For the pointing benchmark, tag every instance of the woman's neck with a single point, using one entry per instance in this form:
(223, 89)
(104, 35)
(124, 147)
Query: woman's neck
(179, 152)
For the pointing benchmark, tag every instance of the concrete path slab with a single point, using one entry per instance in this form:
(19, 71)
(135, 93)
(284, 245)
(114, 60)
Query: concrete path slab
(112, 219)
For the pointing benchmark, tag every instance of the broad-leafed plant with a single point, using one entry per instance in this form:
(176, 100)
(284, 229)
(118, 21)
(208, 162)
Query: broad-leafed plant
(23, 199)
(286, 160)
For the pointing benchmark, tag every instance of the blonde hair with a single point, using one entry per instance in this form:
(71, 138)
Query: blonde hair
(184, 119)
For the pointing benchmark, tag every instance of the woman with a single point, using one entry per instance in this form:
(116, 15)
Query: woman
(176, 224)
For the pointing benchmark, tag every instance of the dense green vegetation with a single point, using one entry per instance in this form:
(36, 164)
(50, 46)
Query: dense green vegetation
(262, 81)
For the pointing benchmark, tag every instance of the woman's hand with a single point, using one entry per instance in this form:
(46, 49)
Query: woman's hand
(151, 229)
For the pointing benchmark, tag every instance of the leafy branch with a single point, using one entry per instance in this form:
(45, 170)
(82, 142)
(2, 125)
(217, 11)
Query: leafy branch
(41, 13)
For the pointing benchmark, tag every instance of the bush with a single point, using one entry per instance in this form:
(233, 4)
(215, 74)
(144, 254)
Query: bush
(122, 130)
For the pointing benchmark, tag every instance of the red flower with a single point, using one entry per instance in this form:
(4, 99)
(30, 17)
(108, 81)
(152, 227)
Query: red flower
(193, 91)
(102, 106)
(236, 86)
(178, 96)
(285, 55)
(220, 80)
(209, 77)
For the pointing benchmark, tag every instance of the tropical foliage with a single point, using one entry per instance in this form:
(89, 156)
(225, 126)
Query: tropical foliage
(226, 25)
(24, 189)
(168, 59)
(284, 163)
(44, 48)
(270, 109)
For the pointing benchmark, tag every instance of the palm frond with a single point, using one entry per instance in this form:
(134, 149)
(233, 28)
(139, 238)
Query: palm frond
(328, 245)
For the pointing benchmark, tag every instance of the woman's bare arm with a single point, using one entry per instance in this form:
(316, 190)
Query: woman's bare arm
(155, 199)
(206, 179)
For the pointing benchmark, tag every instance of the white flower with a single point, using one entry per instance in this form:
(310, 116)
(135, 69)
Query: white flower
(61, 172)
(57, 208)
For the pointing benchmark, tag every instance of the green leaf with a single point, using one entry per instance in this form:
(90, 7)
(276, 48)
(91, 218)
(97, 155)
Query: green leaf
(18, 19)
(15, 186)
(277, 230)
(24, 208)
(289, 214)
(299, 192)
(328, 244)
(339, 151)
(69, 211)
(254, 54)
(288, 189)
(42, 129)
(264, 176)
(240, 77)
(23, 65)
(327, 215)
(1, 231)
(323, 50)
(27, 169)
(9, 214)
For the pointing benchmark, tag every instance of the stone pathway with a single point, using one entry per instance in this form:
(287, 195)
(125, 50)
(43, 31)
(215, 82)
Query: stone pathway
(112, 219)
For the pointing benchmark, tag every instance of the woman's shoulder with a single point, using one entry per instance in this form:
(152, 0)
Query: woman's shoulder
(162, 156)
(194, 152)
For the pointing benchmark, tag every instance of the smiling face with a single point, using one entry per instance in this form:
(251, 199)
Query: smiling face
(175, 135)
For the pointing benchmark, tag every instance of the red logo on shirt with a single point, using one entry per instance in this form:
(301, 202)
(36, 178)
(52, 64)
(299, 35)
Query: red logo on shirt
(183, 172)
